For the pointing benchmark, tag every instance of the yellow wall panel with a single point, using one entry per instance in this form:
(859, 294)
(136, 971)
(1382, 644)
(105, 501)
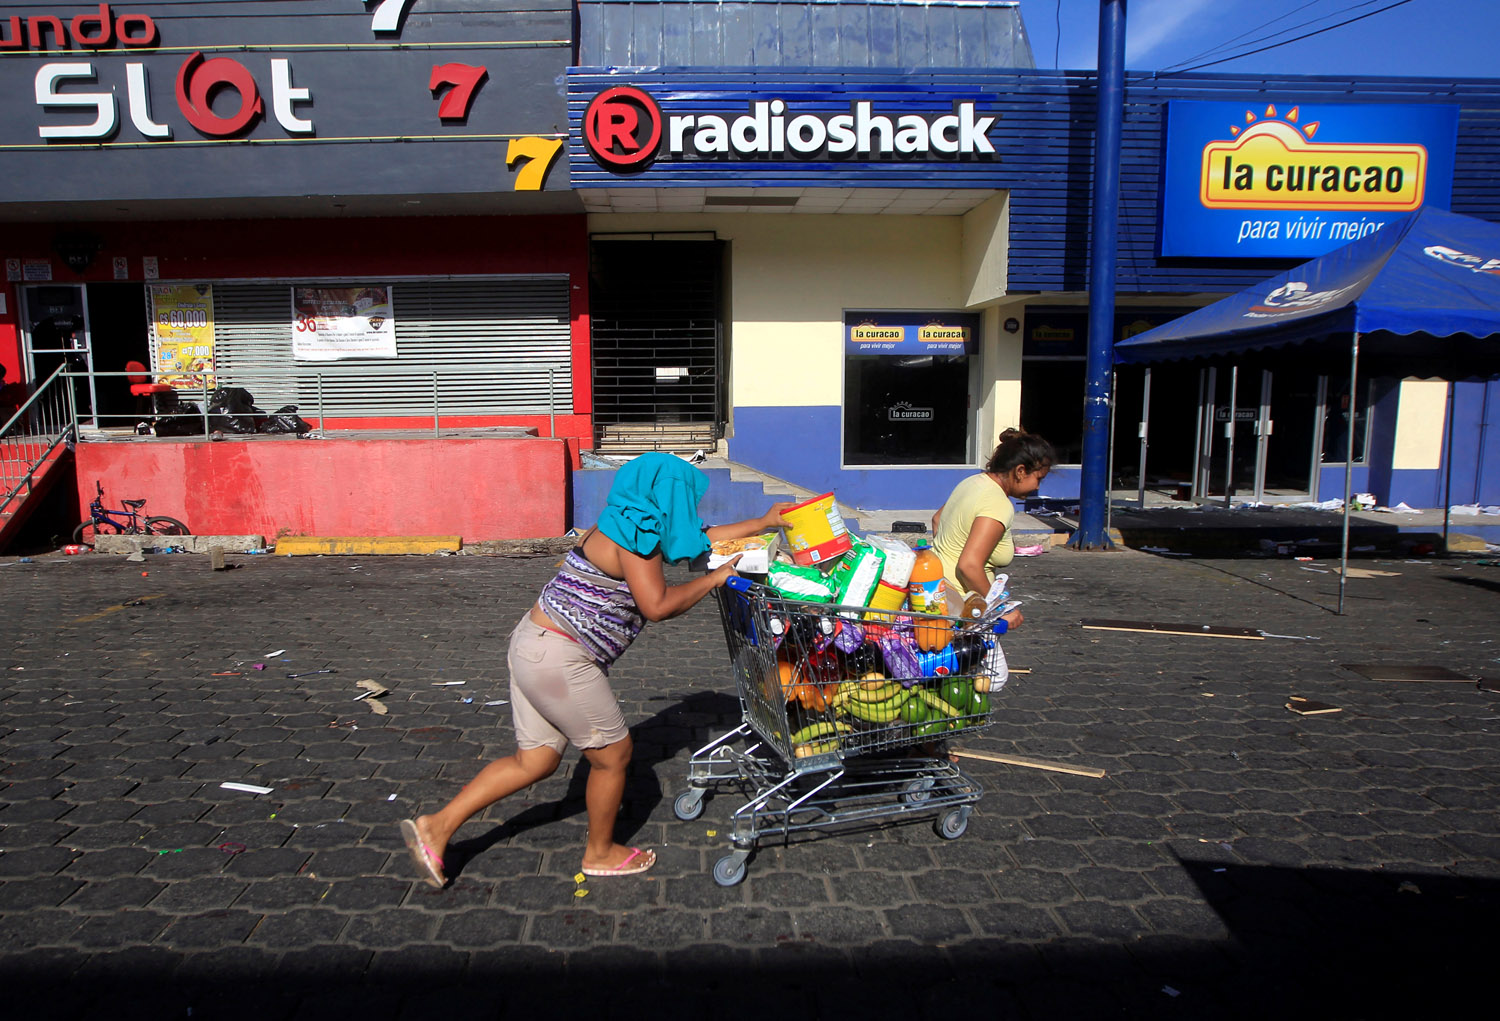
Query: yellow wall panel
(1420, 417)
(791, 278)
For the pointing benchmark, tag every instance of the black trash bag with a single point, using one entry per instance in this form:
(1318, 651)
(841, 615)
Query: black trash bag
(176, 417)
(231, 409)
(285, 420)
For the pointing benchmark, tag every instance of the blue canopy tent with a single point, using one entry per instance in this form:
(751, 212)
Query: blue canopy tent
(1420, 297)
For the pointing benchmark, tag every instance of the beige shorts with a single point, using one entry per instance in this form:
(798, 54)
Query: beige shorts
(558, 694)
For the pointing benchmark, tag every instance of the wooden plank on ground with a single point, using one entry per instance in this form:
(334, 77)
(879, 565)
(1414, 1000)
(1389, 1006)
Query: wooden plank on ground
(1017, 760)
(1149, 627)
(1406, 672)
(311, 545)
(1307, 707)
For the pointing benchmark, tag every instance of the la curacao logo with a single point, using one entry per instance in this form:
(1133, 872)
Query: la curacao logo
(1274, 163)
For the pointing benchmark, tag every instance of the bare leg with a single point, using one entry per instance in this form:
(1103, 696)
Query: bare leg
(499, 779)
(605, 791)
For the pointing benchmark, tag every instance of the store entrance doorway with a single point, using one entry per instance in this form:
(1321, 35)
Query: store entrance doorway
(55, 332)
(119, 332)
(1248, 448)
(656, 316)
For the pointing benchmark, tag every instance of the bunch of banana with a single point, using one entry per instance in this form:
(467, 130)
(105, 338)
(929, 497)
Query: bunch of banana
(880, 704)
(818, 739)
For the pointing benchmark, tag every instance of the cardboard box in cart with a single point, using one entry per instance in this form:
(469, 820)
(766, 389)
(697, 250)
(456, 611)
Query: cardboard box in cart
(758, 552)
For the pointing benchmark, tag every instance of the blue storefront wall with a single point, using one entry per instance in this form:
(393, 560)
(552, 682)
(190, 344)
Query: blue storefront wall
(1043, 140)
(780, 437)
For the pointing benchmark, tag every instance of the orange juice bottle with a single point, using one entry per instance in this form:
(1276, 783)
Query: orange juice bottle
(925, 589)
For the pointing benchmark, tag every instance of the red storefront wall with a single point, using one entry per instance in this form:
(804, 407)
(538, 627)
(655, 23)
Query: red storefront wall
(476, 488)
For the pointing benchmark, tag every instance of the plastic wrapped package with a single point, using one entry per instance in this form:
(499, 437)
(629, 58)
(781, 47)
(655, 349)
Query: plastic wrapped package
(857, 574)
(890, 594)
(804, 583)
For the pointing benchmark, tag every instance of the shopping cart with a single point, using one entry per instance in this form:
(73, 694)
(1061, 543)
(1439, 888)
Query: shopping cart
(841, 718)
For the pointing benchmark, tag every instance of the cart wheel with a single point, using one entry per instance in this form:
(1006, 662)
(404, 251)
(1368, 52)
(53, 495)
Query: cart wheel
(918, 790)
(952, 825)
(689, 804)
(730, 869)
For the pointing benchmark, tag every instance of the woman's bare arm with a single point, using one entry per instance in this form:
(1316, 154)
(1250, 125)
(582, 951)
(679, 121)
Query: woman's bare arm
(750, 526)
(984, 535)
(657, 599)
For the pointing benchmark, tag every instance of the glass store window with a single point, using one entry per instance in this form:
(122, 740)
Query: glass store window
(1053, 369)
(1336, 421)
(908, 380)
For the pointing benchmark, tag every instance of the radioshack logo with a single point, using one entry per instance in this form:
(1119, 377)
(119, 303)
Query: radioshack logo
(624, 130)
(1275, 164)
(1463, 260)
(1293, 298)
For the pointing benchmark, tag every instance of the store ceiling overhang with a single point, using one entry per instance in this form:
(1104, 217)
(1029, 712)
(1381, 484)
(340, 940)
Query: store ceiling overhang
(826, 201)
(547, 203)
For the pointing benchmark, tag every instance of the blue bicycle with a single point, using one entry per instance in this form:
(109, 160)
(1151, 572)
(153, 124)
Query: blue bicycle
(126, 521)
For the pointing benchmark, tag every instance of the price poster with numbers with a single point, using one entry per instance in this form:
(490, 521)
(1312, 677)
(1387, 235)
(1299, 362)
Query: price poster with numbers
(182, 334)
(330, 323)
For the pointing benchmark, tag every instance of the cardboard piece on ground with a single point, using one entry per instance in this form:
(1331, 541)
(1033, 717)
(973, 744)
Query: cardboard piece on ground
(1016, 760)
(1199, 630)
(1368, 571)
(1307, 707)
(1400, 672)
(311, 545)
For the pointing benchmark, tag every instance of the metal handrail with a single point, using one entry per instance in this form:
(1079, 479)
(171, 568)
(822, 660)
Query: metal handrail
(28, 439)
(318, 415)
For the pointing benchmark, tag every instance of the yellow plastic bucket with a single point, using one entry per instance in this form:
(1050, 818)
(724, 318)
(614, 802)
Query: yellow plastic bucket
(815, 531)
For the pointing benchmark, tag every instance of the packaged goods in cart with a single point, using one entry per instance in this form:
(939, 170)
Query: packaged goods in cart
(857, 574)
(806, 583)
(815, 531)
(840, 728)
(755, 553)
(890, 593)
(926, 589)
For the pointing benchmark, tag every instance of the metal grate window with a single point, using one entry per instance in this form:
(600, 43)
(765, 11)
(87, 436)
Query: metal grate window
(654, 309)
(490, 341)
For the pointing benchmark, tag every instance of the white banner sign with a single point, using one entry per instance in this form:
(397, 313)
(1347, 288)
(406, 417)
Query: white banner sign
(330, 323)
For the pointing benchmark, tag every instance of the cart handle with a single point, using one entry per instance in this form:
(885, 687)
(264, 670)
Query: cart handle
(738, 582)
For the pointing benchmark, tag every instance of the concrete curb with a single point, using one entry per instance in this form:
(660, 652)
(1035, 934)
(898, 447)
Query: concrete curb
(186, 543)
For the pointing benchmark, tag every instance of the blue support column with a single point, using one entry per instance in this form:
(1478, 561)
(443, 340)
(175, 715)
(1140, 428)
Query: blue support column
(1094, 491)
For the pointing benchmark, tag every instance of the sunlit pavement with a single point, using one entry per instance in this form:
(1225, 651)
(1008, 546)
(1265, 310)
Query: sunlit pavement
(1235, 858)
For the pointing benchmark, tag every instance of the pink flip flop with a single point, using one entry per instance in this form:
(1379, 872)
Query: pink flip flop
(636, 861)
(421, 855)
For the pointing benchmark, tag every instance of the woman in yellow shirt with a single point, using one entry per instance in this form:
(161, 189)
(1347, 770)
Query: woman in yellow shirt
(972, 530)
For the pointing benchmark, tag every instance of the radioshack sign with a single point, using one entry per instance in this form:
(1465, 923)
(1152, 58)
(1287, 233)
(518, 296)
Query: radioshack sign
(1266, 180)
(625, 130)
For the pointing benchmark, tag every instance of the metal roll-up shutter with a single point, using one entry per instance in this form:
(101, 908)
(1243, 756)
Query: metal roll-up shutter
(490, 342)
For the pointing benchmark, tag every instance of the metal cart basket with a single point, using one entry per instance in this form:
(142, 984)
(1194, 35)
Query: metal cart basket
(839, 705)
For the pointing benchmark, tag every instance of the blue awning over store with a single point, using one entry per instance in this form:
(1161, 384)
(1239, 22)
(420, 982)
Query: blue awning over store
(1422, 289)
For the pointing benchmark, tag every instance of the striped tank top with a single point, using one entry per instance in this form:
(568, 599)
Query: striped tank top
(592, 607)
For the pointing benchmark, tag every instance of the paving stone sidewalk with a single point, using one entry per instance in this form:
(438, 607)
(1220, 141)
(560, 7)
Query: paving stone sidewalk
(1236, 859)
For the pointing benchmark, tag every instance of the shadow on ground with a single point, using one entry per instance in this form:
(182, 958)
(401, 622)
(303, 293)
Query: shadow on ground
(1262, 531)
(659, 738)
(1305, 943)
